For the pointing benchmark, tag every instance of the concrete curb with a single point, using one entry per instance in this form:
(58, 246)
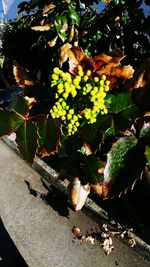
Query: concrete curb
(49, 177)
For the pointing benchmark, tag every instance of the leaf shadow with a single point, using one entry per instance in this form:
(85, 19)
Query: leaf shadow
(54, 198)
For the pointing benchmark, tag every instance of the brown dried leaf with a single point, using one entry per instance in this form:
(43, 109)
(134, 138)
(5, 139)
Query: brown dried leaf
(65, 54)
(114, 61)
(97, 188)
(107, 245)
(88, 239)
(52, 42)
(123, 72)
(141, 77)
(76, 231)
(48, 8)
(85, 61)
(78, 193)
(21, 76)
(41, 28)
(132, 242)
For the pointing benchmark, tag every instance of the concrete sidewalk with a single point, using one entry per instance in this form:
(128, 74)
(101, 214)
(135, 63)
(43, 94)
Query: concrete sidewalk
(39, 222)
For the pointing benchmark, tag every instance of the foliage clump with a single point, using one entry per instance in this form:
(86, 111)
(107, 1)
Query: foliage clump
(76, 82)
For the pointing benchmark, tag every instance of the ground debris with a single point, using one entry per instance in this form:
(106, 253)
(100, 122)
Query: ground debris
(104, 236)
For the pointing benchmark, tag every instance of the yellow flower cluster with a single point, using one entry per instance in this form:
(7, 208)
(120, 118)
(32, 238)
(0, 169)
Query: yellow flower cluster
(79, 99)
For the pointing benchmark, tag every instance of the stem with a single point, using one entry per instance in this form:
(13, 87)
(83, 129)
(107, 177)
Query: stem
(28, 118)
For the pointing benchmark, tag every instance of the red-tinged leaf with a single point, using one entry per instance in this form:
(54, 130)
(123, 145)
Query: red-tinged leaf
(41, 28)
(21, 76)
(41, 123)
(110, 66)
(106, 59)
(125, 162)
(49, 132)
(26, 138)
(85, 61)
(48, 8)
(10, 121)
(123, 72)
(101, 189)
(75, 57)
(20, 105)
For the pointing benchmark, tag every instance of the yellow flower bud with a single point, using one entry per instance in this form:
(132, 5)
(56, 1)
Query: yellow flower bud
(56, 70)
(55, 77)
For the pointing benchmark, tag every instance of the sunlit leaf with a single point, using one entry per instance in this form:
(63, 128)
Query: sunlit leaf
(21, 76)
(124, 164)
(124, 72)
(41, 28)
(73, 15)
(48, 8)
(66, 54)
(61, 24)
(145, 133)
(52, 42)
(104, 58)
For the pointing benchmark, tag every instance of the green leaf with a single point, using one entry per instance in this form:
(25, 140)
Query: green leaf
(91, 167)
(147, 154)
(1, 61)
(95, 133)
(62, 36)
(61, 24)
(73, 15)
(120, 102)
(20, 105)
(71, 166)
(41, 128)
(125, 162)
(124, 119)
(26, 138)
(49, 135)
(10, 121)
(145, 133)
(110, 132)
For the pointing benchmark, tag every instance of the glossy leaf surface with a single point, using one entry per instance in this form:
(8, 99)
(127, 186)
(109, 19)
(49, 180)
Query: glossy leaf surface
(10, 121)
(27, 140)
(125, 161)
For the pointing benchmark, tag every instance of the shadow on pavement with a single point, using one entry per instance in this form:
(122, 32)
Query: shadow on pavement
(54, 198)
(9, 254)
